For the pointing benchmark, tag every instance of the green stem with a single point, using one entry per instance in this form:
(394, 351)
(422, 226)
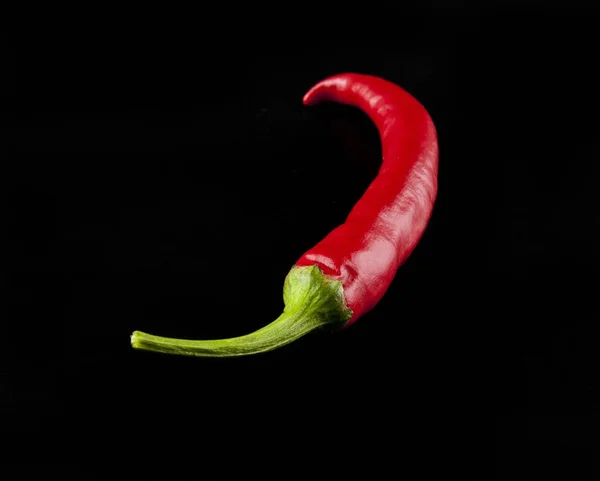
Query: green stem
(285, 329)
(312, 301)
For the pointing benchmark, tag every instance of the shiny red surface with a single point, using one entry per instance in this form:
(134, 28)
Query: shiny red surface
(387, 222)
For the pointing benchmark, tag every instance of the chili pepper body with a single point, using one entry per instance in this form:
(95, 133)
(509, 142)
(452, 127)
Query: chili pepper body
(387, 222)
(347, 273)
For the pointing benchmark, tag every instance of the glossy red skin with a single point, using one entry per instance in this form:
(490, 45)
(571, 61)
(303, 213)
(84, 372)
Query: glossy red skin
(385, 225)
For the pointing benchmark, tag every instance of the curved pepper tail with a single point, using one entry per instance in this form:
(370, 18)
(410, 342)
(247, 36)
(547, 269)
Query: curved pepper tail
(312, 301)
(322, 91)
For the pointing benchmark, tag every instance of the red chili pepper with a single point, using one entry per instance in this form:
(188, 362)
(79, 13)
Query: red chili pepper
(347, 273)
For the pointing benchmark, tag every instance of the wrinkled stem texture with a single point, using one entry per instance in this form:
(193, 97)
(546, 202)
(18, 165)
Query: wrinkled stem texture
(285, 329)
(312, 301)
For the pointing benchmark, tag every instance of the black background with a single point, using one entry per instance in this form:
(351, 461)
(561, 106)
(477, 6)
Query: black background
(161, 174)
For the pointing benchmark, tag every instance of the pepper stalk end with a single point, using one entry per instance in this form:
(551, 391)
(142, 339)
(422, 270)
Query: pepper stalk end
(312, 301)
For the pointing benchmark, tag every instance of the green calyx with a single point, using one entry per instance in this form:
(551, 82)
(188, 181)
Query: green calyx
(312, 301)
